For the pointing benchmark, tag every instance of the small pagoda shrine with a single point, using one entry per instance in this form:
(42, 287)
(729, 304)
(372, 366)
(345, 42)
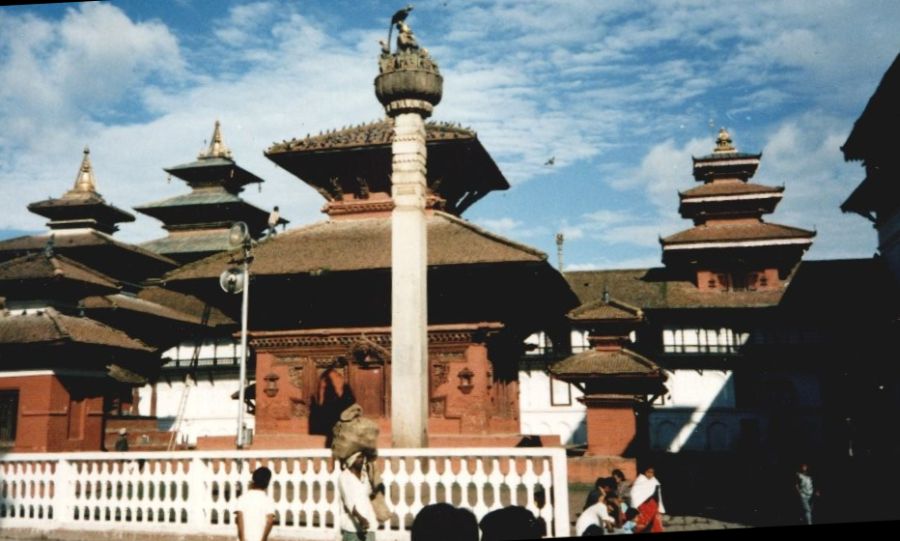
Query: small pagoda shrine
(81, 227)
(615, 380)
(730, 247)
(82, 207)
(198, 222)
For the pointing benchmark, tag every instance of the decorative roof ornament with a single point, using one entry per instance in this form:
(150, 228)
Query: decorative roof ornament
(217, 148)
(408, 78)
(84, 181)
(723, 142)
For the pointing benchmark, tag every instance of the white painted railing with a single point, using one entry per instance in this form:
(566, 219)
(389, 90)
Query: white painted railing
(192, 492)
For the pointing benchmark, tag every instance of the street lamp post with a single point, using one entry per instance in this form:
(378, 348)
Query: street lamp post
(234, 280)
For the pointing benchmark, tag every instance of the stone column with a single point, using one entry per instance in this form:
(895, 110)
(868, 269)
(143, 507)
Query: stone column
(409, 86)
(409, 290)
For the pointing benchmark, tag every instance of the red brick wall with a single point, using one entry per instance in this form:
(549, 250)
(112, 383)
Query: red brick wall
(57, 415)
(610, 430)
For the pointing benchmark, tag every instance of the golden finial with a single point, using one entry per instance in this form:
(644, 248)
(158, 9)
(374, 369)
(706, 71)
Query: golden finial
(85, 182)
(217, 148)
(723, 142)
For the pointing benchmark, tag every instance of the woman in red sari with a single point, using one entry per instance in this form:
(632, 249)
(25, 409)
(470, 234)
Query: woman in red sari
(646, 496)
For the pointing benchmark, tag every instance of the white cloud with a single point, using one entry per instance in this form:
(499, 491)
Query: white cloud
(511, 228)
(663, 171)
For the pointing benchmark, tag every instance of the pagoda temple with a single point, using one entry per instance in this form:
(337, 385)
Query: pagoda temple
(78, 330)
(198, 222)
(321, 293)
(81, 226)
(616, 381)
(730, 247)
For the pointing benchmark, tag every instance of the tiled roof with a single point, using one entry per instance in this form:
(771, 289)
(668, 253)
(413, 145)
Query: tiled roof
(50, 327)
(185, 304)
(725, 156)
(196, 197)
(360, 244)
(63, 241)
(89, 205)
(135, 304)
(182, 242)
(736, 232)
(38, 266)
(374, 133)
(217, 170)
(605, 364)
(660, 288)
(736, 187)
(867, 287)
(600, 310)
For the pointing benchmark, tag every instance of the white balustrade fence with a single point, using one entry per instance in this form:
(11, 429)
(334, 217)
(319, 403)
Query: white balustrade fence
(192, 492)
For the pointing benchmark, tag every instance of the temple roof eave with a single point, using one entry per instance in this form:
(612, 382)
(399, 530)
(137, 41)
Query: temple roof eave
(212, 170)
(51, 327)
(595, 364)
(364, 244)
(735, 235)
(88, 207)
(37, 267)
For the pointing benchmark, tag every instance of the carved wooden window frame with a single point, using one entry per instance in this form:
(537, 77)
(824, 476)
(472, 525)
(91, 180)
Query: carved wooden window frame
(555, 387)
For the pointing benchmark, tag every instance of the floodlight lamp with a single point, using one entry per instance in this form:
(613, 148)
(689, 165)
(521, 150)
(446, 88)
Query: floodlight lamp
(232, 280)
(239, 234)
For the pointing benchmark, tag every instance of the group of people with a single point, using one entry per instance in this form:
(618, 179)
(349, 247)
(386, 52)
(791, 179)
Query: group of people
(616, 506)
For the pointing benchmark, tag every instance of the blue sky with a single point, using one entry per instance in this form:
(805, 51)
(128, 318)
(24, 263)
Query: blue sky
(621, 93)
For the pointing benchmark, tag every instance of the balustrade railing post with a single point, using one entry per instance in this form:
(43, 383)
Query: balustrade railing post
(199, 501)
(560, 494)
(64, 499)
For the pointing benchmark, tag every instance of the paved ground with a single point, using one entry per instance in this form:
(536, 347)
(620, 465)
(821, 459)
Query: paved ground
(672, 523)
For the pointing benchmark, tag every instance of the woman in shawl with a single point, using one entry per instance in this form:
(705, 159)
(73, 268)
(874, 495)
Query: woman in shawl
(646, 496)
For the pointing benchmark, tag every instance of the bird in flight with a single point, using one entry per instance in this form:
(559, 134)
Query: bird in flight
(551, 161)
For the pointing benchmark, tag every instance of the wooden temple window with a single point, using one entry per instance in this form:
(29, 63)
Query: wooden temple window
(560, 393)
(9, 414)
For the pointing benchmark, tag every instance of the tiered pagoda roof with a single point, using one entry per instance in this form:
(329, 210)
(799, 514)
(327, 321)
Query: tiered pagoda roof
(348, 164)
(334, 264)
(52, 276)
(81, 228)
(727, 212)
(51, 328)
(82, 206)
(609, 367)
(198, 222)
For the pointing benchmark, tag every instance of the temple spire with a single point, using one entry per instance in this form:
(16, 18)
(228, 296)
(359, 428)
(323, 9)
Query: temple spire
(217, 148)
(723, 142)
(85, 181)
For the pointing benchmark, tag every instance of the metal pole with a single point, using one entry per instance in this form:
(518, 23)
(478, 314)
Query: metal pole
(243, 374)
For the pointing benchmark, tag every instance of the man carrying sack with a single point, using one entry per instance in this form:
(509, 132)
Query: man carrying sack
(363, 497)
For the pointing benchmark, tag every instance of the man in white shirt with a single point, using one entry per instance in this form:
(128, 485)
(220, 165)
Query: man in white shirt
(358, 521)
(596, 515)
(254, 510)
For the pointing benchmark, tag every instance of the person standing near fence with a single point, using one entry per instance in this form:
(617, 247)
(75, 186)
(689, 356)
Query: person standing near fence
(803, 486)
(254, 510)
(358, 521)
